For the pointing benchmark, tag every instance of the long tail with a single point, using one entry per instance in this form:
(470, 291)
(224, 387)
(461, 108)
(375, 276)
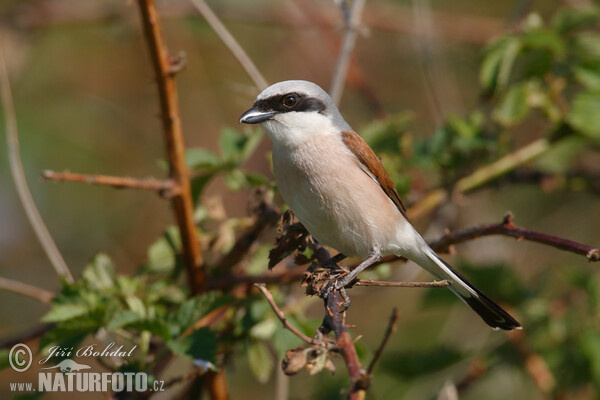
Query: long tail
(488, 310)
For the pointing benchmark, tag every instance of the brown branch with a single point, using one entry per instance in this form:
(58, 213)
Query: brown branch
(508, 228)
(16, 168)
(165, 186)
(167, 90)
(434, 284)
(390, 330)
(335, 320)
(281, 316)
(25, 289)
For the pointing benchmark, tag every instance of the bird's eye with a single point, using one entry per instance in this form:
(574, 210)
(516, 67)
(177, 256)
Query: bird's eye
(290, 101)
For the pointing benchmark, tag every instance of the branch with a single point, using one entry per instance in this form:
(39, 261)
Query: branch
(483, 175)
(182, 201)
(502, 165)
(508, 228)
(338, 79)
(18, 175)
(25, 289)
(164, 186)
(434, 284)
(231, 43)
(281, 316)
(390, 330)
(335, 320)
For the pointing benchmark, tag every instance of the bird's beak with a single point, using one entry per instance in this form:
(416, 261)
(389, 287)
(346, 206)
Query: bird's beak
(254, 116)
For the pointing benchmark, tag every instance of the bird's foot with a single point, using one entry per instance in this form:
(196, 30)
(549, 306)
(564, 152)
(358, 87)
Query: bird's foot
(333, 286)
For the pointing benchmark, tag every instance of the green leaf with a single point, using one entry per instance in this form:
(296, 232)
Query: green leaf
(99, 273)
(587, 47)
(385, 135)
(200, 344)
(584, 116)
(154, 326)
(256, 178)
(264, 329)
(260, 360)
(200, 158)
(123, 318)
(590, 346)
(513, 107)
(570, 19)
(588, 75)
(498, 62)
(4, 362)
(161, 257)
(232, 143)
(544, 40)
(64, 312)
(236, 146)
(199, 183)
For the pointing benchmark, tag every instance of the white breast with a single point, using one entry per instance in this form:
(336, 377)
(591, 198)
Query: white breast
(339, 204)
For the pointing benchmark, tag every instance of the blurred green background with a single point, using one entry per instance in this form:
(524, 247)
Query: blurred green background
(85, 102)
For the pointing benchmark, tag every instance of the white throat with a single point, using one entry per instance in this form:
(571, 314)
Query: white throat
(294, 128)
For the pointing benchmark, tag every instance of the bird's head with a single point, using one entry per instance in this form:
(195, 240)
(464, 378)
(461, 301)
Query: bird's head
(294, 111)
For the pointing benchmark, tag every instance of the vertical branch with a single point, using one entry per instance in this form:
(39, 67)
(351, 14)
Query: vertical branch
(359, 380)
(343, 62)
(18, 175)
(169, 107)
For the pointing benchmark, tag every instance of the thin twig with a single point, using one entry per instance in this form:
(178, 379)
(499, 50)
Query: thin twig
(165, 186)
(340, 72)
(508, 228)
(263, 289)
(426, 45)
(231, 43)
(179, 173)
(388, 333)
(25, 289)
(18, 175)
(503, 165)
(434, 284)
(481, 176)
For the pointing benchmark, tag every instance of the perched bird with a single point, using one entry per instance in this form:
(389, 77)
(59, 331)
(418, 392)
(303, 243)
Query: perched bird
(339, 190)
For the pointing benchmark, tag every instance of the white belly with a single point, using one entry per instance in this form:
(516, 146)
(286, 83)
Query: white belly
(339, 204)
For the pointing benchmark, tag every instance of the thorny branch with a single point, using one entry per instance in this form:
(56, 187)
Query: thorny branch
(179, 173)
(336, 322)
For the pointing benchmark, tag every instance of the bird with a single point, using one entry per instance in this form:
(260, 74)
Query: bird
(339, 190)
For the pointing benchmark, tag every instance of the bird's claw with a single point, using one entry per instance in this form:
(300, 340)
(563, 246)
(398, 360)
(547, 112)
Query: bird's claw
(331, 287)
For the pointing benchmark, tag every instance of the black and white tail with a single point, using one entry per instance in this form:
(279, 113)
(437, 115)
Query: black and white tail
(488, 310)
